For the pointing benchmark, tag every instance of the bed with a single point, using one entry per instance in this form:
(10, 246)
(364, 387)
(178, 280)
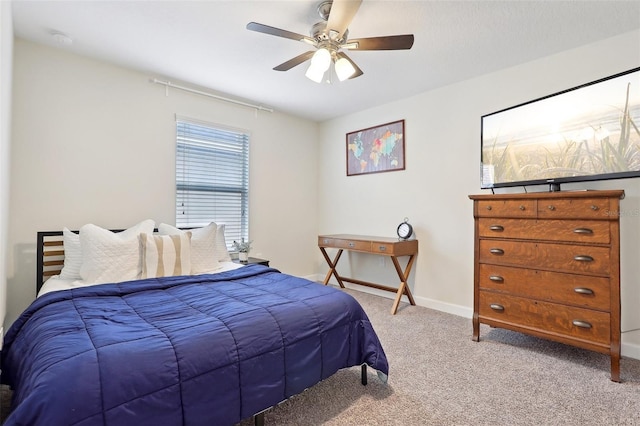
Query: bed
(181, 349)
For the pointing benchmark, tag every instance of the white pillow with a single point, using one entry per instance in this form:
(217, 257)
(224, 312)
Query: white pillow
(204, 257)
(221, 245)
(72, 255)
(165, 255)
(111, 257)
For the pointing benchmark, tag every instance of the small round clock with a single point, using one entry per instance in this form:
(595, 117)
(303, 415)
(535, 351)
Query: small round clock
(405, 230)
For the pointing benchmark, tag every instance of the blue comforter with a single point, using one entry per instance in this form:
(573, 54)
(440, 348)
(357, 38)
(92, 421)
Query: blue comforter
(190, 350)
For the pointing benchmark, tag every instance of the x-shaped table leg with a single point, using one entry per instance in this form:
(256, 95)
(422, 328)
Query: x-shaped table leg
(404, 288)
(332, 266)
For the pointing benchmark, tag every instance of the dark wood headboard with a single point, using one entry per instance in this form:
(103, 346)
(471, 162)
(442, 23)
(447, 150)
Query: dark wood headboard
(49, 256)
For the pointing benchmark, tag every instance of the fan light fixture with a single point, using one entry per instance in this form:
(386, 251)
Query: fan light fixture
(314, 74)
(344, 69)
(321, 61)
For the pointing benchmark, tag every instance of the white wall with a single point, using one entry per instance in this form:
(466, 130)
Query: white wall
(6, 62)
(93, 142)
(442, 169)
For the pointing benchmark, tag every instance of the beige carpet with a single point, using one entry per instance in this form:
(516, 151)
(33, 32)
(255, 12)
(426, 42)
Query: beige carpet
(439, 376)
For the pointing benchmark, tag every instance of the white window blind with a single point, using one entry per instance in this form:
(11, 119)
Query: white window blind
(212, 178)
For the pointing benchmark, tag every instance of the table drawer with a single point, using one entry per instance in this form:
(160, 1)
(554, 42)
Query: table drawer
(578, 290)
(582, 231)
(506, 208)
(575, 208)
(344, 243)
(382, 248)
(548, 256)
(546, 317)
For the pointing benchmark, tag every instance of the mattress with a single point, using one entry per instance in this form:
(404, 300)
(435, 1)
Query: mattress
(55, 283)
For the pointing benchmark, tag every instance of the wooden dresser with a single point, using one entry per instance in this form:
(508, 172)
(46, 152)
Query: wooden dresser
(548, 264)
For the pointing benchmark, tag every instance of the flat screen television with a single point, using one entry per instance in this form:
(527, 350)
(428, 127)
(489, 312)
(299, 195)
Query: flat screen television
(590, 132)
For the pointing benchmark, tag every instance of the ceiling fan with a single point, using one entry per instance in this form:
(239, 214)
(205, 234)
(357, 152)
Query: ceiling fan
(330, 38)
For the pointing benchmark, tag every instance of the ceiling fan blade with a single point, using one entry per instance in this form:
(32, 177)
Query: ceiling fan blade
(341, 15)
(358, 72)
(285, 66)
(266, 29)
(397, 42)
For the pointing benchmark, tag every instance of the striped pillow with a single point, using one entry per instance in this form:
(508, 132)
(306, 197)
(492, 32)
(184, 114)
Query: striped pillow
(165, 255)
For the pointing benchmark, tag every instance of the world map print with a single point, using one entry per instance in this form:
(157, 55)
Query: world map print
(377, 149)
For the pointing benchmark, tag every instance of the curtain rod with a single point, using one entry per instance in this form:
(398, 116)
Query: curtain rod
(211, 95)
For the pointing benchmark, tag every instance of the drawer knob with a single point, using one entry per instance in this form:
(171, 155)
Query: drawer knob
(581, 324)
(551, 207)
(583, 258)
(497, 251)
(382, 248)
(496, 278)
(352, 244)
(496, 307)
(488, 207)
(497, 228)
(583, 231)
(594, 208)
(521, 207)
(583, 290)
(325, 241)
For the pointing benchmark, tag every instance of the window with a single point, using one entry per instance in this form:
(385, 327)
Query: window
(212, 178)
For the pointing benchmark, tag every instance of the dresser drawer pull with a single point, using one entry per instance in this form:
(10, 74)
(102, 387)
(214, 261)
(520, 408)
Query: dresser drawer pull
(582, 290)
(583, 231)
(497, 228)
(581, 324)
(496, 278)
(497, 307)
(594, 208)
(382, 248)
(488, 207)
(496, 251)
(521, 207)
(352, 244)
(583, 258)
(551, 207)
(325, 241)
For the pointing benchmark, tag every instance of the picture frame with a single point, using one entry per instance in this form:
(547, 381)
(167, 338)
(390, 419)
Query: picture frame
(376, 149)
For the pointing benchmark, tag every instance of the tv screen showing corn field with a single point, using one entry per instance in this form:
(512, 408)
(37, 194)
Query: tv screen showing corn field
(586, 133)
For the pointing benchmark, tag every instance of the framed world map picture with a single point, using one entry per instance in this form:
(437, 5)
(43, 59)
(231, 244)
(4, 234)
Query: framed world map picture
(376, 149)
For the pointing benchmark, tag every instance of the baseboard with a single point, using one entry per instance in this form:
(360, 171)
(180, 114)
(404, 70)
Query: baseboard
(630, 350)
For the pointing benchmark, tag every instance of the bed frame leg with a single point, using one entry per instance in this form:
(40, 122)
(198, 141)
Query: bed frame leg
(258, 419)
(363, 375)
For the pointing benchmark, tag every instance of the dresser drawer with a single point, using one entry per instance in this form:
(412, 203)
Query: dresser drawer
(504, 252)
(573, 258)
(344, 243)
(546, 317)
(547, 256)
(576, 208)
(506, 208)
(571, 289)
(582, 231)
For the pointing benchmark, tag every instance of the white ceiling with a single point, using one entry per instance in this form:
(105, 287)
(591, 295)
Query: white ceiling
(205, 43)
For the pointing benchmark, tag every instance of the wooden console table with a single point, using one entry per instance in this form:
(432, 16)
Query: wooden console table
(391, 247)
